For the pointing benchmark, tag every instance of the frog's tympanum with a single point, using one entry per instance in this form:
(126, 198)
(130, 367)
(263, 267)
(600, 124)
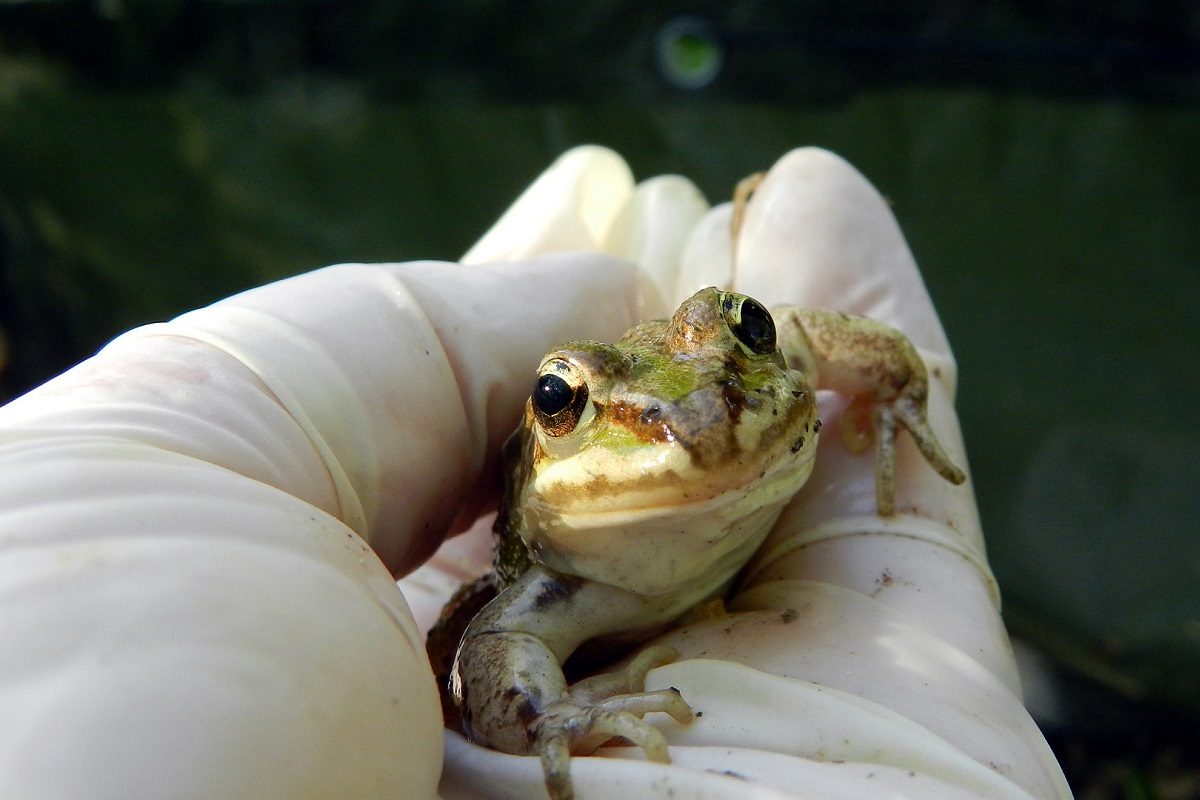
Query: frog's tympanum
(643, 477)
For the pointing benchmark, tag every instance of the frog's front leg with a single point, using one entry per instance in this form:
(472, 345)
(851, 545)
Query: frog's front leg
(879, 368)
(509, 685)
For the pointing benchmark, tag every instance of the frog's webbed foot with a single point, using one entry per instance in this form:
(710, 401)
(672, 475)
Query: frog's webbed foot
(601, 708)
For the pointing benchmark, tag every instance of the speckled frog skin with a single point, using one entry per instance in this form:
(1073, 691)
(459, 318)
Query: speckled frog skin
(642, 478)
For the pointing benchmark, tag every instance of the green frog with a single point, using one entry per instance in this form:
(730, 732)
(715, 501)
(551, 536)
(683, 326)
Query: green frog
(642, 478)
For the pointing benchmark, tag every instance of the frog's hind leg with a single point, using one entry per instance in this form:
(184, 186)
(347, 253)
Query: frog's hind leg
(441, 643)
(510, 686)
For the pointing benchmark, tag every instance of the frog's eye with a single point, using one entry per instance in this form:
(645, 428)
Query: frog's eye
(559, 397)
(749, 322)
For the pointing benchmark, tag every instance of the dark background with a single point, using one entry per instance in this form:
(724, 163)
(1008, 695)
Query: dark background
(1044, 163)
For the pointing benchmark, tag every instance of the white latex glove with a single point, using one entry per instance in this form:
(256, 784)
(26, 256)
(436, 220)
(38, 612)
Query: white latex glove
(866, 656)
(187, 610)
(189, 604)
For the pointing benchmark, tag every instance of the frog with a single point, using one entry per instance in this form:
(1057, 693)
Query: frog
(643, 476)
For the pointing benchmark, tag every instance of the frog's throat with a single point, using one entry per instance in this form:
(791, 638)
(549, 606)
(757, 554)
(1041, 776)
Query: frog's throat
(657, 550)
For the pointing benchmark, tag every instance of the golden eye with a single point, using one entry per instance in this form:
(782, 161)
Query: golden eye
(749, 322)
(559, 397)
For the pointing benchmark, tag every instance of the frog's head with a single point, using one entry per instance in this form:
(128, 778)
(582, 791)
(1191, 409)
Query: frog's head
(649, 461)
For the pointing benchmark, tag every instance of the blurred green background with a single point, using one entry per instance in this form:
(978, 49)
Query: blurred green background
(1044, 163)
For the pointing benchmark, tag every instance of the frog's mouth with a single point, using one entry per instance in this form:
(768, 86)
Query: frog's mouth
(653, 538)
(665, 481)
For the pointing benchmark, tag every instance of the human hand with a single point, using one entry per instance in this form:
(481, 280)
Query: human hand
(187, 610)
(865, 654)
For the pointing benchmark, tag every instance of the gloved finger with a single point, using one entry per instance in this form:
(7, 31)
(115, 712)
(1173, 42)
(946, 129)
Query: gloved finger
(586, 201)
(651, 231)
(569, 207)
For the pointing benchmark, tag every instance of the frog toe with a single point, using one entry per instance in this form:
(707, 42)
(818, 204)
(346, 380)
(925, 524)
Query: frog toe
(554, 751)
(911, 414)
(668, 701)
(574, 729)
(907, 411)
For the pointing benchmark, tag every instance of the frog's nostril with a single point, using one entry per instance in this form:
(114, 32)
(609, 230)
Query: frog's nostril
(652, 414)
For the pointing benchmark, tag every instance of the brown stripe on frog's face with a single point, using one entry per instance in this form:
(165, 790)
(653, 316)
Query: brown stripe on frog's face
(645, 422)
